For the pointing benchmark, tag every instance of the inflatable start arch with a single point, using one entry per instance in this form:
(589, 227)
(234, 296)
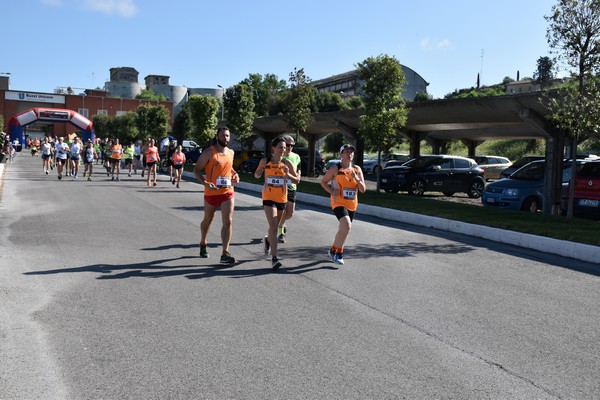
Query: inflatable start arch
(16, 123)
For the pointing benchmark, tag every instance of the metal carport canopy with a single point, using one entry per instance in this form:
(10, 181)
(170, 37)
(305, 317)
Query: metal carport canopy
(476, 118)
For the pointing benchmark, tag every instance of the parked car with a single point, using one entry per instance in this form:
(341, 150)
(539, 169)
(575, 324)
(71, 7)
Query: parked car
(250, 164)
(521, 162)
(373, 166)
(192, 154)
(492, 165)
(438, 173)
(586, 199)
(524, 190)
(395, 163)
(319, 161)
(332, 162)
(189, 144)
(244, 155)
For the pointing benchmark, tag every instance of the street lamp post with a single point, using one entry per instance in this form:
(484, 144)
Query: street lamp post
(222, 103)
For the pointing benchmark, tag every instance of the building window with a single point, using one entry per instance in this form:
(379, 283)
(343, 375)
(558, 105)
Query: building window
(84, 112)
(121, 113)
(102, 112)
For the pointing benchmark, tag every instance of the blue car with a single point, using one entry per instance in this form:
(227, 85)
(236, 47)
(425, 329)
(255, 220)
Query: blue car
(524, 190)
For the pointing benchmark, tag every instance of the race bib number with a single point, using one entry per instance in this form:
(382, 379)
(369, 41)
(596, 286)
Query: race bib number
(151, 159)
(223, 182)
(349, 194)
(178, 162)
(275, 181)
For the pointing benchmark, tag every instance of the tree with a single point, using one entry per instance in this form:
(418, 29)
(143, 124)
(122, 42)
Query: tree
(152, 121)
(385, 112)
(299, 101)
(544, 75)
(148, 94)
(124, 127)
(330, 101)
(101, 125)
(574, 37)
(239, 110)
(423, 96)
(267, 93)
(182, 125)
(333, 142)
(354, 102)
(204, 111)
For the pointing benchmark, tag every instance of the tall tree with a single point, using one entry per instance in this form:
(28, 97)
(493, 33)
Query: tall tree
(152, 121)
(544, 75)
(299, 101)
(574, 37)
(239, 111)
(204, 111)
(381, 82)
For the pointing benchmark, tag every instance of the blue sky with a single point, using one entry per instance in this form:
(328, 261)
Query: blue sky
(202, 44)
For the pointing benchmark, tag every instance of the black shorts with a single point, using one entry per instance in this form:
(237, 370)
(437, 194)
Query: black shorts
(151, 164)
(128, 161)
(180, 166)
(74, 158)
(291, 195)
(271, 203)
(45, 156)
(115, 161)
(341, 212)
(61, 161)
(87, 162)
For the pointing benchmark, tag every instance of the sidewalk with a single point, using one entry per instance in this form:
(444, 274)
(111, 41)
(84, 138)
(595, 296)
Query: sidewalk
(578, 251)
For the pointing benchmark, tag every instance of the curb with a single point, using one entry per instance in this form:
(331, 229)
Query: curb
(564, 248)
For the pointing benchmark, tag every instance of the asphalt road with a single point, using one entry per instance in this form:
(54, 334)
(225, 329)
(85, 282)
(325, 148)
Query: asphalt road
(102, 296)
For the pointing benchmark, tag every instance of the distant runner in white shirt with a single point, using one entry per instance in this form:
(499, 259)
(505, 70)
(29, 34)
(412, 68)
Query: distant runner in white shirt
(61, 149)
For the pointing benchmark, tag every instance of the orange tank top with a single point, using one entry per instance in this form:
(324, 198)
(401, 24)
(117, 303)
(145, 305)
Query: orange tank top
(116, 151)
(275, 187)
(152, 154)
(219, 170)
(347, 194)
(178, 158)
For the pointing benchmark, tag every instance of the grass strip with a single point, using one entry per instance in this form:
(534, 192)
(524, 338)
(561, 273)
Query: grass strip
(578, 230)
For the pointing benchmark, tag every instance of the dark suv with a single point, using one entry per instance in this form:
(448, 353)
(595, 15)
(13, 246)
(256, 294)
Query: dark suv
(435, 173)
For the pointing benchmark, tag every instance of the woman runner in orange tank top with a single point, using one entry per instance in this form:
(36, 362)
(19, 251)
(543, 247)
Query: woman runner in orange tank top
(274, 192)
(343, 182)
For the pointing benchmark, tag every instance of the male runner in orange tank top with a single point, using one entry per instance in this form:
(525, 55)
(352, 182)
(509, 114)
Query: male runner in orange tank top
(218, 180)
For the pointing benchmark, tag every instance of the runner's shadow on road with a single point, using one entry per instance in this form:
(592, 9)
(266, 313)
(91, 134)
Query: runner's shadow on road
(110, 268)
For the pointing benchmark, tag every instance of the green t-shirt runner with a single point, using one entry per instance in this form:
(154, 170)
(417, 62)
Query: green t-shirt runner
(295, 160)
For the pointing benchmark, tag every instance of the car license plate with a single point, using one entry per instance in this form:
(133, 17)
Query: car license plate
(588, 203)
(490, 200)
(383, 180)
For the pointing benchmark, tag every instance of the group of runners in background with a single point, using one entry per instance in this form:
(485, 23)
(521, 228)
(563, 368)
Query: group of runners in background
(214, 170)
(68, 155)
